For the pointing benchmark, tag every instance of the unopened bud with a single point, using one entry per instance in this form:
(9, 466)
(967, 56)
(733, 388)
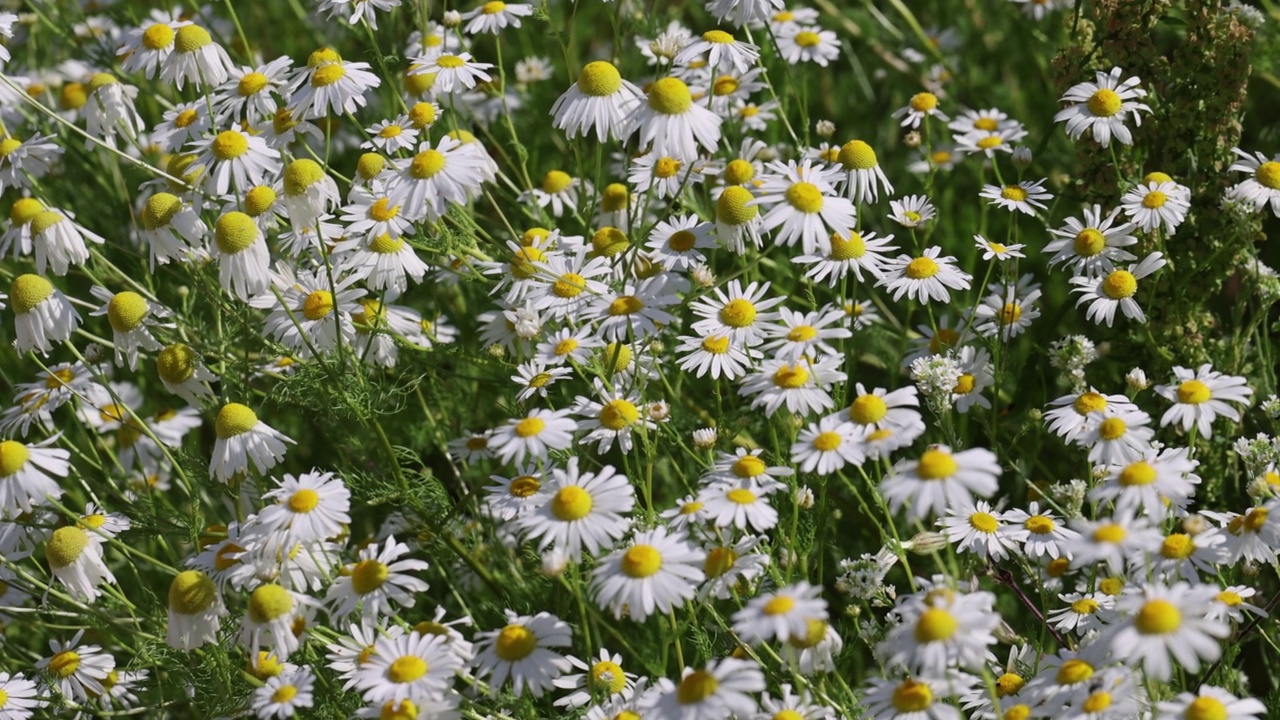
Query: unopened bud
(926, 543)
(451, 19)
(911, 139)
(1022, 157)
(824, 128)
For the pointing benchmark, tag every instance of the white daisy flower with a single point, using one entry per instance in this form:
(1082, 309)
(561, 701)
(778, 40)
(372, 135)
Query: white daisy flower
(912, 211)
(721, 50)
(976, 528)
(455, 73)
(146, 47)
(1210, 702)
(939, 479)
(1183, 556)
(522, 653)
(1116, 290)
(1084, 612)
(243, 439)
(1072, 415)
(414, 666)
(247, 93)
(635, 310)
(196, 57)
(603, 678)
(676, 243)
(670, 124)
(1117, 541)
(42, 315)
(109, 111)
(715, 354)
(493, 17)
(1092, 247)
(662, 177)
(1041, 533)
(283, 695)
(1154, 483)
(131, 316)
(22, 696)
(75, 558)
(79, 672)
(171, 229)
(425, 184)
(1157, 202)
(731, 565)
(1158, 626)
(780, 615)
(916, 698)
(827, 446)
(925, 278)
(194, 611)
(234, 159)
(1102, 108)
(998, 251)
(24, 161)
(1201, 396)
(743, 315)
(656, 572)
(600, 101)
(1024, 197)
(738, 219)
(28, 474)
(304, 508)
(577, 511)
(533, 435)
(802, 201)
(59, 241)
(615, 416)
(940, 629)
(807, 43)
(921, 105)
(723, 689)
(800, 386)
(1119, 437)
(741, 503)
(328, 85)
(1008, 311)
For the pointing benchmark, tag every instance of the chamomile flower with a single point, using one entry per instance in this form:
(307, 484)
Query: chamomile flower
(850, 253)
(743, 315)
(1210, 702)
(1071, 415)
(356, 10)
(915, 698)
(171, 229)
(1183, 556)
(131, 318)
(247, 93)
(654, 573)
(24, 161)
(1115, 541)
(1160, 625)
(741, 503)
(863, 176)
(234, 159)
(28, 474)
(802, 202)
(1157, 202)
(827, 446)
(77, 671)
(533, 435)
(976, 528)
(455, 73)
(447, 173)
(309, 507)
(677, 242)
(716, 355)
(1153, 483)
(600, 101)
(22, 697)
(1023, 197)
(939, 479)
(493, 17)
(283, 695)
(1116, 289)
(194, 610)
(1084, 612)
(558, 191)
(998, 251)
(670, 124)
(1229, 604)
(327, 85)
(1092, 247)
(1041, 533)
(109, 111)
(414, 666)
(920, 106)
(59, 241)
(182, 373)
(925, 278)
(732, 565)
(800, 386)
(635, 310)
(183, 124)
(308, 314)
(940, 629)
(1102, 107)
(148, 46)
(534, 377)
(912, 211)
(42, 315)
(75, 558)
(576, 511)
(243, 439)
(1008, 311)
(1201, 396)
(780, 615)
(722, 689)
(615, 416)
(663, 177)
(377, 583)
(602, 678)
(195, 57)
(1118, 438)
(738, 219)
(523, 652)
(808, 43)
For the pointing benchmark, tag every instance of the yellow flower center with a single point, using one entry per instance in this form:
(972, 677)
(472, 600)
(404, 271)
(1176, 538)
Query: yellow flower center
(556, 181)
(13, 457)
(426, 164)
(944, 339)
(515, 642)
(599, 79)
(984, 522)
(1193, 392)
(1089, 402)
(300, 175)
(1104, 103)
(1112, 429)
(235, 232)
(493, 7)
(1010, 313)
(807, 38)
(268, 602)
(936, 465)
(1111, 533)
(732, 207)
(1085, 606)
(28, 291)
(1089, 242)
(724, 85)
(719, 561)
(1120, 284)
(185, 118)
(1177, 546)
(1073, 672)
(157, 37)
(609, 242)
(1009, 684)
(191, 38)
(912, 696)
(571, 503)
(191, 593)
(1016, 193)
(935, 625)
(738, 313)
(670, 96)
(740, 496)
(229, 145)
(529, 427)
(614, 198)
(64, 664)
(1268, 175)
(126, 310)
(1206, 708)
(666, 167)
(1097, 702)
(450, 62)
(406, 669)
(1138, 473)
(1255, 519)
(921, 268)
(924, 102)
(850, 248)
(44, 221)
(368, 575)
(748, 466)
(857, 155)
(24, 210)
(618, 414)
(868, 409)
(989, 142)
(524, 486)
(159, 210)
(802, 333)
(284, 694)
(304, 500)
(1158, 617)
(423, 114)
(626, 305)
(805, 197)
(1154, 199)
(1229, 598)
(791, 377)
(965, 384)
(696, 687)
(1112, 586)
(641, 561)
(827, 441)
(569, 285)
(234, 419)
(251, 83)
(609, 677)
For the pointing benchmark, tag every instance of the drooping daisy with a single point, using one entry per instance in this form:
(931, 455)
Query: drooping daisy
(672, 125)
(75, 558)
(171, 228)
(1200, 396)
(42, 315)
(722, 689)
(600, 101)
(243, 439)
(920, 106)
(654, 573)
(194, 609)
(738, 219)
(1102, 108)
(780, 615)
(1116, 290)
(925, 278)
(195, 57)
(493, 17)
(28, 474)
(25, 161)
(863, 176)
(385, 261)
(533, 435)
(579, 511)
(523, 653)
(940, 479)
(1161, 625)
(1024, 197)
(131, 316)
(663, 177)
(803, 202)
(59, 241)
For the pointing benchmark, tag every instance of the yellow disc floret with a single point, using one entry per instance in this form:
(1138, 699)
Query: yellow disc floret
(28, 291)
(599, 79)
(234, 419)
(670, 96)
(126, 310)
(235, 232)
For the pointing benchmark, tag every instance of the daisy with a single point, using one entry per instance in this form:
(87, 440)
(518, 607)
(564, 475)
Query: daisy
(436, 176)
(996, 250)
(912, 211)
(827, 446)
(1041, 533)
(59, 242)
(1201, 396)
(800, 335)
(742, 315)
(1160, 625)
(130, 317)
(731, 566)
(1008, 311)
(635, 310)
(1092, 247)
(1071, 415)
(1102, 107)
(181, 125)
(21, 696)
(716, 355)
(24, 161)
(385, 262)
(329, 85)
(604, 678)
(662, 177)
(1230, 605)
(1118, 438)
(77, 671)
(1083, 613)
(863, 176)
(455, 73)
(109, 110)
(677, 242)
(670, 124)
(183, 374)
(308, 507)
(1183, 556)
(1116, 290)
(522, 652)
(656, 572)
(75, 559)
(850, 253)
(780, 615)
(739, 503)
(1263, 188)
(976, 528)
(803, 203)
(989, 143)
(738, 219)
(1024, 197)
(915, 698)
(600, 101)
(721, 50)
(247, 93)
(413, 666)
(234, 158)
(241, 439)
(195, 57)
(28, 474)
(1210, 702)
(271, 618)
(281, 696)
(171, 229)
(308, 314)
(722, 689)
(940, 629)
(920, 106)
(1112, 541)
(1154, 483)
(42, 314)
(614, 417)
(493, 17)
(533, 435)
(194, 609)
(146, 47)
(924, 278)
(800, 386)
(579, 511)
(940, 479)
(1156, 202)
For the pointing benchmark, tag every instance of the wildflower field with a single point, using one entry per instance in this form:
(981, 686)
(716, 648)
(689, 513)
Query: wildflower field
(640, 360)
